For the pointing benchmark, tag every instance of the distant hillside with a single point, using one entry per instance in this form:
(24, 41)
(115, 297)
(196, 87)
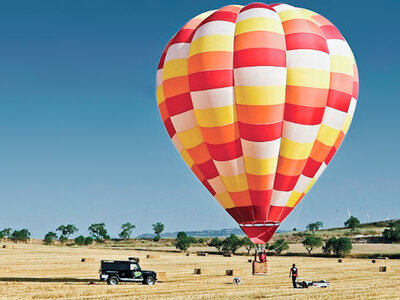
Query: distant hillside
(203, 233)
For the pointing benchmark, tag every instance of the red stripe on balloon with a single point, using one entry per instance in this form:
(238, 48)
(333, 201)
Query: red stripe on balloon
(259, 57)
(210, 80)
(170, 128)
(256, 5)
(311, 167)
(260, 133)
(339, 100)
(331, 32)
(179, 104)
(224, 152)
(285, 182)
(304, 114)
(221, 15)
(208, 169)
(306, 40)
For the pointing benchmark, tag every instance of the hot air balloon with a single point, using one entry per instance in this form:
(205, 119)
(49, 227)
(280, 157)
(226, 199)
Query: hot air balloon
(257, 100)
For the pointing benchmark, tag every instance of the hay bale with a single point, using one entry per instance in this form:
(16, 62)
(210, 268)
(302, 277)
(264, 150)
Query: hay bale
(135, 259)
(234, 272)
(340, 260)
(8, 246)
(374, 261)
(227, 254)
(87, 259)
(152, 256)
(161, 276)
(187, 254)
(383, 269)
(249, 260)
(201, 271)
(202, 254)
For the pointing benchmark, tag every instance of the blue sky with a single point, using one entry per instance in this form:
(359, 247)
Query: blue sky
(82, 141)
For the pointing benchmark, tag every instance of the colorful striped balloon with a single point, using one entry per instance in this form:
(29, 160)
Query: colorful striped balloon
(257, 100)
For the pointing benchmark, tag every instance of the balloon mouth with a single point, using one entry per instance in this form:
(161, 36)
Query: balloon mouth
(259, 232)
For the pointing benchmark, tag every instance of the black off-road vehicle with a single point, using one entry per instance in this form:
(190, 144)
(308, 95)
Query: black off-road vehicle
(114, 271)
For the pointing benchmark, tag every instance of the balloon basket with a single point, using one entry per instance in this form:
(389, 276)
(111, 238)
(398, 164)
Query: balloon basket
(260, 268)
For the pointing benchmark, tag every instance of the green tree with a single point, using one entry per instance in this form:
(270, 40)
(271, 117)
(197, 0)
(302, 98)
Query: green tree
(313, 227)
(248, 244)
(49, 238)
(99, 232)
(216, 242)
(392, 233)
(231, 243)
(294, 229)
(158, 228)
(279, 245)
(66, 231)
(183, 241)
(20, 235)
(339, 246)
(311, 242)
(127, 230)
(5, 233)
(352, 223)
(88, 240)
(80, 240)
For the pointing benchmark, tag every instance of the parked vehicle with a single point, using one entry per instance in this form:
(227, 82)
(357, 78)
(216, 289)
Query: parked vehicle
(115, 271)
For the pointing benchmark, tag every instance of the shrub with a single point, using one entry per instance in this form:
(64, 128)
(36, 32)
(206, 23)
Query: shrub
(49, 238)
(216, 242)
(89, 240)
(312, 241)
(183, 241)
(340, 247)
(80, 240)
(231, 243)
(20, 235)
(392, 233)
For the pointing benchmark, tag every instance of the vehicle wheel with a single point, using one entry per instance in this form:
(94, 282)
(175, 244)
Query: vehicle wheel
(149, 280)
(113, 280)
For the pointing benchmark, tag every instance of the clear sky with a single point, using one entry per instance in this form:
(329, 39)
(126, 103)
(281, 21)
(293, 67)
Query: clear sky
(82, 140)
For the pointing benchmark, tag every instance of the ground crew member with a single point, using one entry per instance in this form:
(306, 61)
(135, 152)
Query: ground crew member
(293, 273)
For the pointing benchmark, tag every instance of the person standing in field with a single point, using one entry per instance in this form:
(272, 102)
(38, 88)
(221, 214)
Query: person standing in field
(293, 273)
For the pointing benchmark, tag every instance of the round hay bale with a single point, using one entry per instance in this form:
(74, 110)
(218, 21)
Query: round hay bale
(201, 271)
(340, 260)
(152, 256)
(374, 261)
(87, 259)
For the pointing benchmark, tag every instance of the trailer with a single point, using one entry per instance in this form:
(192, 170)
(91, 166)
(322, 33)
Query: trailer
(306, 283)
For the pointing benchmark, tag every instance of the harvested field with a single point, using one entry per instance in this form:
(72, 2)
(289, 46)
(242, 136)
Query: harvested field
(51, 272)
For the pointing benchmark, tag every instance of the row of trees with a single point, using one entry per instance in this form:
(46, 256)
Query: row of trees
(97, 232)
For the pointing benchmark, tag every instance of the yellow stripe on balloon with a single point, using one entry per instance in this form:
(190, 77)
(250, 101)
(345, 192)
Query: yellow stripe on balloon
(294, 197)
(175, 68)
(191, 138)
(327, 135)
(225, 200)
(295, 14)
(186, 157)
(215, 117)
(346, 124)
(257, 166)
(160, 94)
(342, 64)
(211, 43)
(237, 183)
(294, 150)
(308, 78)
(260, 95)
(258, 24)
(310, 185)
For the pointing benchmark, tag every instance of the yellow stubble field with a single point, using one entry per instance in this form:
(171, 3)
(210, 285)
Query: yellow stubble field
(50, 272)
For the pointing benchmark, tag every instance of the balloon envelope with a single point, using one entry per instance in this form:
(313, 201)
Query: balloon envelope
(257, 99)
